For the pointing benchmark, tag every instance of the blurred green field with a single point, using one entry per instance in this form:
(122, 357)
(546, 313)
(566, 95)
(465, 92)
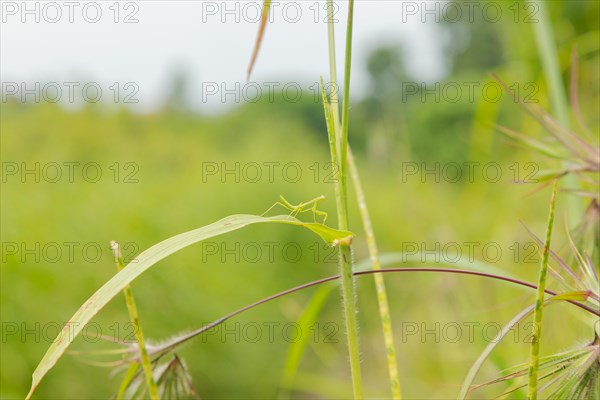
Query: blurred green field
(183, 292)
(155, 183)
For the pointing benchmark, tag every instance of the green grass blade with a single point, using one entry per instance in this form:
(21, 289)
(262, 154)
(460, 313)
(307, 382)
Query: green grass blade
(334, 101)
(133, 369)
(534, 353)
(149, 258)
(330, 122)
(346, 95)
(488, 350)
(579, 295)
(309, 317)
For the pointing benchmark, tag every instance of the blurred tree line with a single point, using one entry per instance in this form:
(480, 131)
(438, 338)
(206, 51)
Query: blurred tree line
(452, 120)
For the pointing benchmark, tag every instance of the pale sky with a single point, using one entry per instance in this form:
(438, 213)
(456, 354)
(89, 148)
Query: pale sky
(213, 40)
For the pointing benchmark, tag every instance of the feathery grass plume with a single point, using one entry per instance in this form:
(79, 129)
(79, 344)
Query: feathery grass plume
(572, 374)
(572, 297)
(579, 155)
(173, 379)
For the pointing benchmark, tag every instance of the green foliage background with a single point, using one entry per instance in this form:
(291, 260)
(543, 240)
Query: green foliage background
(387, 130)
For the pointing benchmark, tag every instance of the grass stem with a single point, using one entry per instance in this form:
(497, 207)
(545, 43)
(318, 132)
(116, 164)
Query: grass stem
(139, 334)
(341, 141)
(534, 356)
(384, 309)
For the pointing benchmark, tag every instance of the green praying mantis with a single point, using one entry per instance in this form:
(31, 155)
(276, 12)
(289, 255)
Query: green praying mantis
(300, 208)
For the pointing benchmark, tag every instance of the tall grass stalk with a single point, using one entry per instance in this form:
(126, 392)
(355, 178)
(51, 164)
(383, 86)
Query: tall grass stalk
(341, 141)
(534, 357)
(346, 101)
(139, 334)
(384, 309)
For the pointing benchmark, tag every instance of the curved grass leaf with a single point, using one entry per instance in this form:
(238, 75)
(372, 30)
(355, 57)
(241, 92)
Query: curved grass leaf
(488, 350)
(149, 258)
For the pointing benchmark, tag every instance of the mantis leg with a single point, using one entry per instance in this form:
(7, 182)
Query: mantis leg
(322, 214)
(318, 212)
(274, 205)
(297, 210)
